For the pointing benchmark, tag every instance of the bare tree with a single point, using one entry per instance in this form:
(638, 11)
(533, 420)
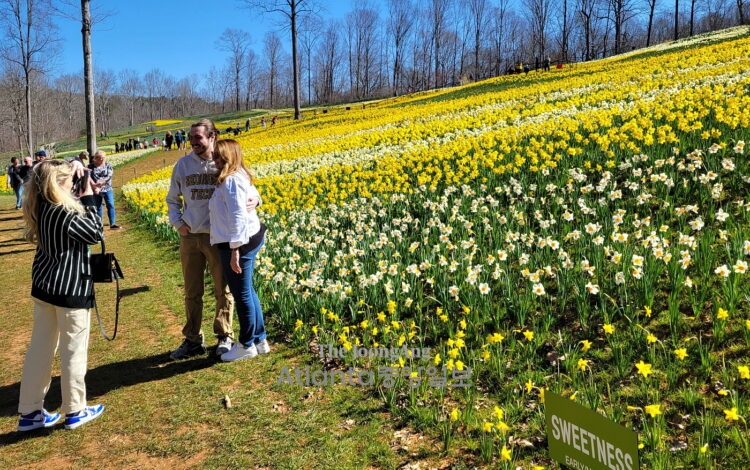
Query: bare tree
(361, 39)
(538, 12)
(104, 89)
(237, 43)
(88, 74)
(252, 91)
(13, 105)
(477, 10)
(187, 96)
(564, 32)
(587, 11)
(622, 11)
(272, 49)
(310, 30)
(741, 6)
(69, 90)
(692, 17)
(30, 34)
(329, 59)
(131, 88)
(291, 10)
(154, 81)
(651, 7)
(400, 23)
(438, 13)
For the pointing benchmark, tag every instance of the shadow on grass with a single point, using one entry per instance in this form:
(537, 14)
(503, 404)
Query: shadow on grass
(100, 381)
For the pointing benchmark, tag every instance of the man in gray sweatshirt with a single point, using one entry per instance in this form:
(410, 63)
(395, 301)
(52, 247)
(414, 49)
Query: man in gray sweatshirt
(192, 184)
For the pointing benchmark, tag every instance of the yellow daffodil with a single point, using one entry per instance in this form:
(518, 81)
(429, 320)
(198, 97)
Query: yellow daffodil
(653, 410)
(505, 454)
(731, 414)
(643, 368)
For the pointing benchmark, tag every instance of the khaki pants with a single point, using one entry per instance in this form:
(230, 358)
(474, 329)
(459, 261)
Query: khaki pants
(68, 327)
(195, 253)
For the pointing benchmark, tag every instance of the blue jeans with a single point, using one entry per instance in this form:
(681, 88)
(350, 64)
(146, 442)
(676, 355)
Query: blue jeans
(108, 197)
(19, 195)
(246, 301)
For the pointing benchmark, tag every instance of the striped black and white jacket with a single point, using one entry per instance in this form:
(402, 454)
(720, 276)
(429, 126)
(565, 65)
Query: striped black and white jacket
(61, 274)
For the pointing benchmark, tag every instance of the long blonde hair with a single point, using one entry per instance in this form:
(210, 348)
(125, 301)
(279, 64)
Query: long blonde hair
(45, 184)
(230, 151)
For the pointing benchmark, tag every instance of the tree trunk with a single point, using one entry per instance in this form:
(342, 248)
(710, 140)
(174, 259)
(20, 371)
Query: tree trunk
(88, 74)
(295, 60)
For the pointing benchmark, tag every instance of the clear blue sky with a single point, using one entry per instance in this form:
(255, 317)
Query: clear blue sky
(177, 36)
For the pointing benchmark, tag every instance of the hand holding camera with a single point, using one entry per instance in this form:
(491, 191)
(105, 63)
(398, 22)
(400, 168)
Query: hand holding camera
(82, 183)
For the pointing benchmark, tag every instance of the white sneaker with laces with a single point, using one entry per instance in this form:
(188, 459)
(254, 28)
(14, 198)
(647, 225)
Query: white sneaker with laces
(263, 347)
(239, 351)
(225, 344)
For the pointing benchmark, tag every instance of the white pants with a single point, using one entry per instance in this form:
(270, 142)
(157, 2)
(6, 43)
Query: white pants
(68, 327)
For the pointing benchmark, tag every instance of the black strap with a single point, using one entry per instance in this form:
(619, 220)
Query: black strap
(117, 304)
(117, 312)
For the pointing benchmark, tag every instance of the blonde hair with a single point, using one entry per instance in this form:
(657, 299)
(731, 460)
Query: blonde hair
(45, 185)
(229, 150)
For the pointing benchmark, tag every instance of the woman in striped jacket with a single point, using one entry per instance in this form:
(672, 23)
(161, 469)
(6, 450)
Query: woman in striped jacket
(62, 225)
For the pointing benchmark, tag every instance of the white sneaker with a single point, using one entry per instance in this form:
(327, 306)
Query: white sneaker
(225, 344)
(263, 347)
(239, 351)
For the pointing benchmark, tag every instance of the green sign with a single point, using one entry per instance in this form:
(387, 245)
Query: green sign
(582, 439)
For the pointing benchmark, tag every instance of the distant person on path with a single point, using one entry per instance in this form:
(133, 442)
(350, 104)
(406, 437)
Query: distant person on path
(26, 169)
(62, 226)
(15, 179)
(39, 157)
(101, 175)
(547, 63)
(239, 235)
(82, 158)
(247, 125)
(192, 183)
(178, 140)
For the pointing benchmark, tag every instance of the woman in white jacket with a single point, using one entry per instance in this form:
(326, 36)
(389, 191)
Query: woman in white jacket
(239, 235)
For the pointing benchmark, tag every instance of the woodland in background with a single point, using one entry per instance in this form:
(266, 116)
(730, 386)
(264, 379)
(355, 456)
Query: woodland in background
(379, 49)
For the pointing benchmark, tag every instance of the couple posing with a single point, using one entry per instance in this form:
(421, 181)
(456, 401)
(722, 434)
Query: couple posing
(211, 203)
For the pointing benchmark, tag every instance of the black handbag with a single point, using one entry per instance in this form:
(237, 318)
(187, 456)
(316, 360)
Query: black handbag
(104, 266)
(104, 269)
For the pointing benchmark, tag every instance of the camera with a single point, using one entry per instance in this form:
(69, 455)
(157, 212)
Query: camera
(79, 182)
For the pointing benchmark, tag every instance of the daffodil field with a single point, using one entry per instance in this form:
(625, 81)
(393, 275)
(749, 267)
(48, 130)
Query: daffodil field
(584, 231)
